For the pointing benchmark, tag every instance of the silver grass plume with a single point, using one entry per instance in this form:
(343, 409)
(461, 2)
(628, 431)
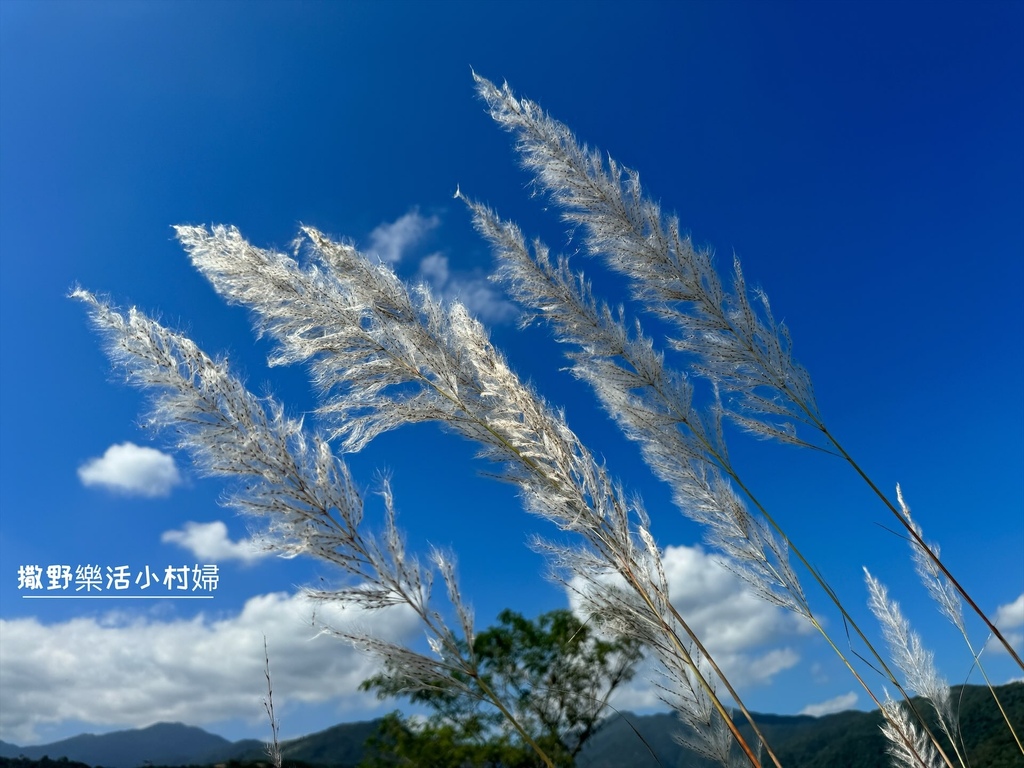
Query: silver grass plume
(737, 344)
(681, 663)
(291, 477)
(908, 745)
(636, 602)
(383, 355)
(910, 655)
(937, 584)
(653, 405)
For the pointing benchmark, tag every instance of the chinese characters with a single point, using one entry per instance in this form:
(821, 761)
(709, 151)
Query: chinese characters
(94, 580)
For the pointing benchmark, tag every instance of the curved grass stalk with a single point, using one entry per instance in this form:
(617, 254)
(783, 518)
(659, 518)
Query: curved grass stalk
(722, 712)
(493, 697)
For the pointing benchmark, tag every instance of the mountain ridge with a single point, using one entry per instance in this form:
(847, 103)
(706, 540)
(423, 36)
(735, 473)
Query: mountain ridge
(850, 739)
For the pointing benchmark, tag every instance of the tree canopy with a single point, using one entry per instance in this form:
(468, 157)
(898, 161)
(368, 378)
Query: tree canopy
(556, 671)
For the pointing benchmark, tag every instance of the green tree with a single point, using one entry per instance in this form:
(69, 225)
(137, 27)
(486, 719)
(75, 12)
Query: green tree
(556, 672)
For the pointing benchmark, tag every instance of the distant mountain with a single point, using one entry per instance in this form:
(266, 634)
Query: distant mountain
(843, 740)
(337, 747)
(160, 744)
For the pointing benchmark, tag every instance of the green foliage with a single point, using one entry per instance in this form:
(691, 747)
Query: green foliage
(440, 744)
(556, 674)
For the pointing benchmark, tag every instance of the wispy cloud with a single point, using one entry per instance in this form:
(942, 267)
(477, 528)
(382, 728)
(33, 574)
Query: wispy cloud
(201, 671)
(133, 470)
(474, 290)
(837, 704)
(210, 543)
(390, 241)
(397, 241)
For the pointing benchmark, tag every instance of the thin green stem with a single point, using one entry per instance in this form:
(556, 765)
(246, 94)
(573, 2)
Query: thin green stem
(728, 686)
(920, 542)
(995, 696)
(496, 701)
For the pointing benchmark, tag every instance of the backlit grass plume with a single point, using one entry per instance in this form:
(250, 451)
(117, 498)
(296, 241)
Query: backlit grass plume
(733, 341)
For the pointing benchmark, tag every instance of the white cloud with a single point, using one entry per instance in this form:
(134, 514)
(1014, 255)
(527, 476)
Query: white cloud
(1009, 619)
(729, 619)
(837, 704)
(210, 543)
(1011, 614)
(390, 241)
(818, 673)
(133, 470)
(112, 672)
(434, 268)
(746, 636)
(475, 291)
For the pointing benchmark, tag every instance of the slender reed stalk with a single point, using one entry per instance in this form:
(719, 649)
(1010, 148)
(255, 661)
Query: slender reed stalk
(273, 746)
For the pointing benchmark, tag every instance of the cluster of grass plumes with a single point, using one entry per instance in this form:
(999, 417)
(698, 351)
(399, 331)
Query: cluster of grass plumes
(384, 354)
(728, 338)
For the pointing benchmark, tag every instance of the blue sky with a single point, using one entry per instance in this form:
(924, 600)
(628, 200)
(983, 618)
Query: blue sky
(864, 160)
